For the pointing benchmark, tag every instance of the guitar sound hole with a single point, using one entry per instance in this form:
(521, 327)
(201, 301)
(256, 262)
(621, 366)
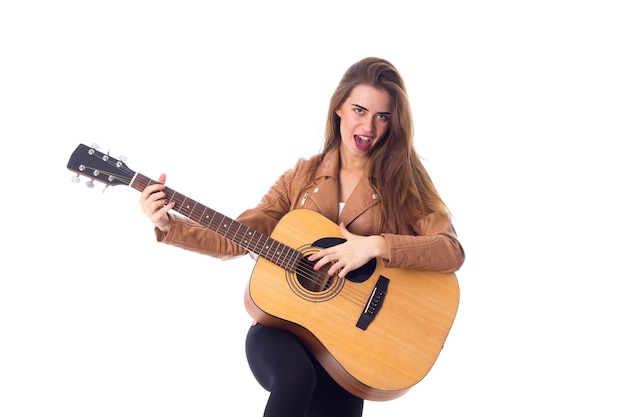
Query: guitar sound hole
(312, 280)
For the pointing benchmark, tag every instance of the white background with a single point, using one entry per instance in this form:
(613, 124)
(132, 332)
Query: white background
(520, 116)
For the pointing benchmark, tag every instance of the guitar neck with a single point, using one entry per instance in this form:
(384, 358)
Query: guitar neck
(250, 239)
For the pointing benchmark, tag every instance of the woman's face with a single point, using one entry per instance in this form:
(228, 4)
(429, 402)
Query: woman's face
(365, 117)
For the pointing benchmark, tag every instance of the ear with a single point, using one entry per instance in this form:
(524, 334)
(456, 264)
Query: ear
(338, 113)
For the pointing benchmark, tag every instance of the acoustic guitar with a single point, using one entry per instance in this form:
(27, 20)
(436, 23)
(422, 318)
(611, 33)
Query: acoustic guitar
(377, 332)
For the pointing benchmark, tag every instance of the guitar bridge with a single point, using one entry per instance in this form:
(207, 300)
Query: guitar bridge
(374, 303)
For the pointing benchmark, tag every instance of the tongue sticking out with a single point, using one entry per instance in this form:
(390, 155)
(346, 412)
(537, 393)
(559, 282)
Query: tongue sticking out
(362, 143)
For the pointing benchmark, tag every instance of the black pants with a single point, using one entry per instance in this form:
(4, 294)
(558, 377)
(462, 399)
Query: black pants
(298, 385)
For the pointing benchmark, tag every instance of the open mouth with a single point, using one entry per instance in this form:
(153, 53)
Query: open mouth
(362, 143)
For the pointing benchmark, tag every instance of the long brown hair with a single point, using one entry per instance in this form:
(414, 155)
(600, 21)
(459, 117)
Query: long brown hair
(396, 171)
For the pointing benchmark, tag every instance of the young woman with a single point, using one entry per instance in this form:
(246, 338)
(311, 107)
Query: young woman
(370, 181)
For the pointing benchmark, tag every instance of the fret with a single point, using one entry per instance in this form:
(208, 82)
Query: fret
(236, 237)
(192, 209)
(256, 243)
(264, 250)
(295, 257)
(215, 223)
(173, 197)
(223, 227)
(283, 256)
(226, 233)
(279, 255)
(273, 253)
(184, 206)
(209, 220)
(200, 219)
(248, 235)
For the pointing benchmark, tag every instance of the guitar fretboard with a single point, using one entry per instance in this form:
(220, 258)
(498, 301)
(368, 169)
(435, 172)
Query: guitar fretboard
(250, 239)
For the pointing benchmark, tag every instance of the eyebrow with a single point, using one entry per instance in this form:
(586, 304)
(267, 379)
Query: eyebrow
(366, 109)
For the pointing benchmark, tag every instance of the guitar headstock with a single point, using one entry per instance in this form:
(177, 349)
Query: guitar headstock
(91, 163)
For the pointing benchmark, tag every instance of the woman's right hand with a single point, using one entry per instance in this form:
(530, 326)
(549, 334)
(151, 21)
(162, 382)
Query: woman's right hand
(154, 204)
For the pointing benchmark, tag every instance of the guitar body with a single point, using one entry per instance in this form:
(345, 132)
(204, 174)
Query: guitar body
(394, 352)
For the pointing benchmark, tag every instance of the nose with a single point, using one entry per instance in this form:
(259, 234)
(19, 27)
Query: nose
(370, 123)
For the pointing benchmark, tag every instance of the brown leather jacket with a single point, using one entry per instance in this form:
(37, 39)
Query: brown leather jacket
(430, 244)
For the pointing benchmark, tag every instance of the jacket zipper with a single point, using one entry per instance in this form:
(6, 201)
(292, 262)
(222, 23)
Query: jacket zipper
(304, 197)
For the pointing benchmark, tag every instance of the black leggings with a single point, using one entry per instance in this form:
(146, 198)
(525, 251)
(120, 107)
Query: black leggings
(298, 385)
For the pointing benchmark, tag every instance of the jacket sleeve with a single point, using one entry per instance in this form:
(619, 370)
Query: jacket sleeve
(435, 246)
(187, 234)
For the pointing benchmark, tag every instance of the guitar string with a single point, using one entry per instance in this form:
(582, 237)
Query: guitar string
(303, 269)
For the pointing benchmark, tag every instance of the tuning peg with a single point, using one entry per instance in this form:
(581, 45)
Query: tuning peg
(122, 158)
(89, 184)
(95, 145)
(105, 188)
(76, 178)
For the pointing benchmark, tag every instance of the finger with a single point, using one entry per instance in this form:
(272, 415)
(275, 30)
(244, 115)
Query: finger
(147, 202)
(157, 196)
(323, 261)
(161, 205)
(319, 264)
(344, 271)
(161, 211)
(154, 203)
(339, 268)
(315, 256)
(153, 188)
(344, 231)
(157, 186)
(320, 254)
(147, 195)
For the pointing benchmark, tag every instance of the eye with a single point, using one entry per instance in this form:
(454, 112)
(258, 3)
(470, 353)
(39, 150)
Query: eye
(359, 110)
(383, 116)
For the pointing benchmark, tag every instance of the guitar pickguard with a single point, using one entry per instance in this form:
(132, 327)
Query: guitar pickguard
(361, 274)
